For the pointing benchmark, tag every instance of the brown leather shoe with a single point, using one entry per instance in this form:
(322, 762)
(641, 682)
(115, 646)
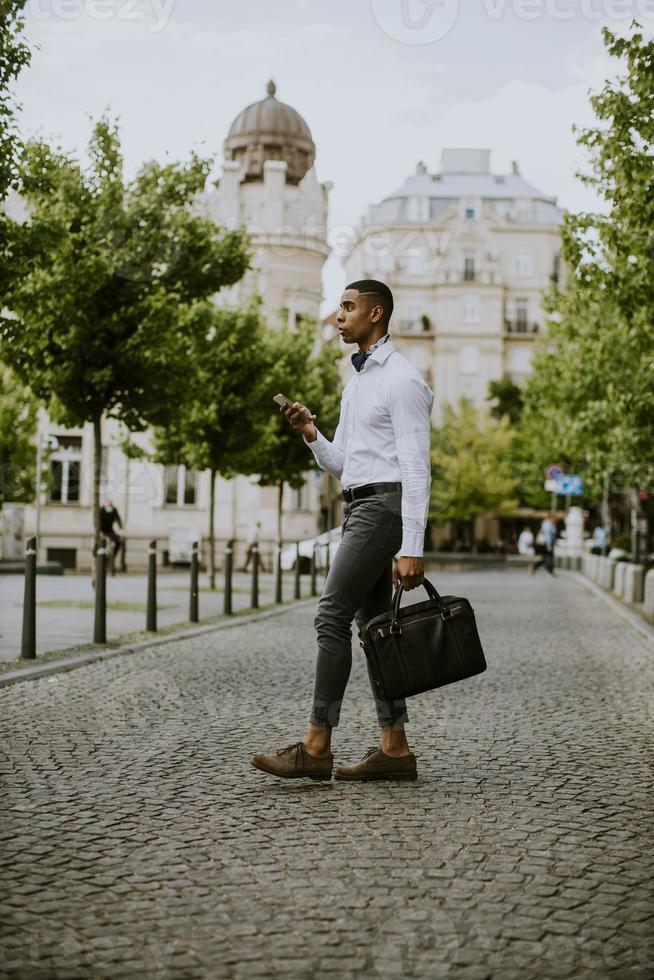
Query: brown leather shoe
(377, 765)
(294, 761)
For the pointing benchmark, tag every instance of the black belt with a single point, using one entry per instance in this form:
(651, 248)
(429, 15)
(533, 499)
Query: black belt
(369, 490)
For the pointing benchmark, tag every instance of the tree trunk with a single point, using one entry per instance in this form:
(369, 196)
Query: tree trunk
(212, 530)
(97, 473)
(280, 511)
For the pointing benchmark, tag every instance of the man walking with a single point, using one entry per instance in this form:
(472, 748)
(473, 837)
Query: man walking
(545, 540)
(381, 454)
(253, 543)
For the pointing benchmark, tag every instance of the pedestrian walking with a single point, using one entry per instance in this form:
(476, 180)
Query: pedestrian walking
(526, 546)
(600, 540)
(253, 540)
(545, 541)
(380, 453)
(109, 517)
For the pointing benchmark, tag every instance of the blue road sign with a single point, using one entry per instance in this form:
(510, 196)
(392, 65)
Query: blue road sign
(568, 485)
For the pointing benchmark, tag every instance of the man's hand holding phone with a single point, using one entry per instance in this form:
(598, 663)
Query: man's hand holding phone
(298, 416)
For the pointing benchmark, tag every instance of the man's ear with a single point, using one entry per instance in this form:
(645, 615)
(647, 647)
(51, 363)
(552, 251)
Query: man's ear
(376, 314)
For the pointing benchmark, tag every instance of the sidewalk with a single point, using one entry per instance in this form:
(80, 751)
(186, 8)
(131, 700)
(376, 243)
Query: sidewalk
(139, 843)
(65, 605)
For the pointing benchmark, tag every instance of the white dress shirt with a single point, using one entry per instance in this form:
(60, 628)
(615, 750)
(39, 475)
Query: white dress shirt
(383, 436)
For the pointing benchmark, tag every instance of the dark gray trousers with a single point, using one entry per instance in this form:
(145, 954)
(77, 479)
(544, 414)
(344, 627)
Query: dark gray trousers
(358, 586)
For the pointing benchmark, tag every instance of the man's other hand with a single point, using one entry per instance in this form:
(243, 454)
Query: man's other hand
(409, 571)
(300, 418)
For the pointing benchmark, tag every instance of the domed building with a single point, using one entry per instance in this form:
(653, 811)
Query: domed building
(268, 184)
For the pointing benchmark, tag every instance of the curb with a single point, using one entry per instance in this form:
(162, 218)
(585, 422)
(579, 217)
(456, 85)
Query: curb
(640, 625)
(71, 663)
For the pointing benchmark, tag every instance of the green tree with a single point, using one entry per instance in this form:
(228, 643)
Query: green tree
(472, 472)
(18, 416)
(109, 281)
(220, 419)
(14, 56)
(590, 402)
(506, 398)
(306, 375)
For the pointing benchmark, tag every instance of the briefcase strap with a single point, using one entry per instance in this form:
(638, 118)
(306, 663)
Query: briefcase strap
(432, 592)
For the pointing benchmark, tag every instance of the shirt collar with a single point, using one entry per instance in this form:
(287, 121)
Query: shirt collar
(382, 350)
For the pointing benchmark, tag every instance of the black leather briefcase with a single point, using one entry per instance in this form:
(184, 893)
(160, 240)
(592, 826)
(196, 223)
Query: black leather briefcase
(422, 646)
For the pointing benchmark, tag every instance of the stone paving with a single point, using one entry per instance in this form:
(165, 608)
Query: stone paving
(137, 841)
(65, 610)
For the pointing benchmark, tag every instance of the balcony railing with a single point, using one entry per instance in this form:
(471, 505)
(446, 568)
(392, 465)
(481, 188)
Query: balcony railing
(521, 326)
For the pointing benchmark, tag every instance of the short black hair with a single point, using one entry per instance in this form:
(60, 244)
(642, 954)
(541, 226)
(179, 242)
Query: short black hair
(381, 292)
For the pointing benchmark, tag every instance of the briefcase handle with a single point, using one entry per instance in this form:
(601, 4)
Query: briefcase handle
(431, 592)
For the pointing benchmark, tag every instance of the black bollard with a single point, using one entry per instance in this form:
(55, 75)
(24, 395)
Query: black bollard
(100, 622)
(254, 600)
(194, 616)
(28, 642)
(297, 591)
(151, 614)
(314, 562)
(229, 567)
(278, 574)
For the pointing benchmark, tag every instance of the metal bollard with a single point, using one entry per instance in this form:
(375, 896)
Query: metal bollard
(278, 574)
(229, 567)
(28, 642)
(151, 615)
(100, 621)
(254, 599)
(314, 562)
(194, 616)
(297, 591)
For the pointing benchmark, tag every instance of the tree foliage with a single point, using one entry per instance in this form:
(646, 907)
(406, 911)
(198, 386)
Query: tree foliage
(590, 402)
(472, 471)
(14, 56)
(109, 282)
(221, 416)
(18, 418)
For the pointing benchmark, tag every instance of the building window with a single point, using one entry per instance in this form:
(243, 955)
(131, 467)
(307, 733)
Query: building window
(65, 463)
(522, 314)
(469, 359)
(470, 308)
(416, 262)
(469, 266)
(179, 486)
(556, 267)
(470, 214)
(523, 262)
(302, 498)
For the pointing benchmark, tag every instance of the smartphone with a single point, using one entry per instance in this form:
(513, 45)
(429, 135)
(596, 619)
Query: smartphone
(284, 402)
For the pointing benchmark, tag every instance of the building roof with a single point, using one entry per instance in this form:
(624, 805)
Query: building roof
(270, 130)
(465, 173)
(468, 185)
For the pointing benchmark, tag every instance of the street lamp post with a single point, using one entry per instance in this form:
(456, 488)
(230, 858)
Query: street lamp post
(43, 442)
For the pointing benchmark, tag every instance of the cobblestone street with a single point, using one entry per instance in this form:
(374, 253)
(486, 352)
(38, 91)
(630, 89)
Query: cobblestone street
(138, 842)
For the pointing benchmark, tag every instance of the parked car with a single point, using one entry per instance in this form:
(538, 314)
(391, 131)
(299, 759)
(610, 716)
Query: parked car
(289, 553)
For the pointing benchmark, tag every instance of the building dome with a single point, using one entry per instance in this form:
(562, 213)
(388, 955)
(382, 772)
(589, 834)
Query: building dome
(270, 130)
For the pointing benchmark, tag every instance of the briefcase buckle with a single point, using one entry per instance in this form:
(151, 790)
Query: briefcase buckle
(396, 629)
(446, 614)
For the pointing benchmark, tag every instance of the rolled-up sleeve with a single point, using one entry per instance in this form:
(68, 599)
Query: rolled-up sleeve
(329, 455)
(410, 404)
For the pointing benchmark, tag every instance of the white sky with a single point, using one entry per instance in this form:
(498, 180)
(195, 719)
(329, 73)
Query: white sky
(378, 92)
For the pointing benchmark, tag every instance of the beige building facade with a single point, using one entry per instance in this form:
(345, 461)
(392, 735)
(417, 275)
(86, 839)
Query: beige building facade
(468, 255)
